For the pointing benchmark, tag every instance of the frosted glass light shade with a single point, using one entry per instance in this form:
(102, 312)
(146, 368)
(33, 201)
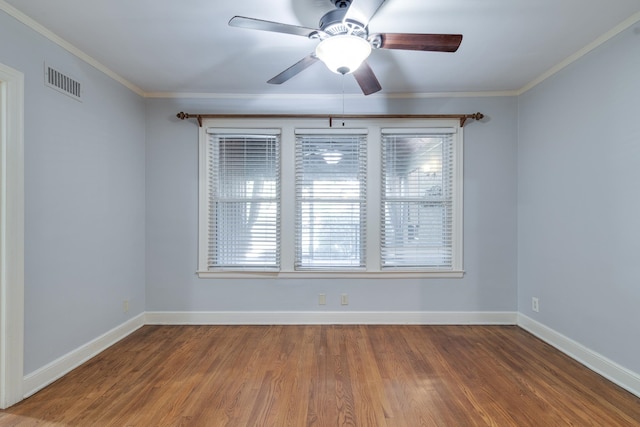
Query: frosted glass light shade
(343, 54)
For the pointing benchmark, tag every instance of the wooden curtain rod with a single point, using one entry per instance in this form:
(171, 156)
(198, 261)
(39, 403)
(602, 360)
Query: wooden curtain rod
(462, 117)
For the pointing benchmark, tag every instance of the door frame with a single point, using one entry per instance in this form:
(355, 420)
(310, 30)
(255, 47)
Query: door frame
(11, 236)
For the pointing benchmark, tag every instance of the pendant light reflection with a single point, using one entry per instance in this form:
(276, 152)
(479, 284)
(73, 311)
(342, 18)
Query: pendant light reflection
(332, 157)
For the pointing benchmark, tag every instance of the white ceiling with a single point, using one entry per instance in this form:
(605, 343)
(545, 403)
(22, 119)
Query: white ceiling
(186, 46)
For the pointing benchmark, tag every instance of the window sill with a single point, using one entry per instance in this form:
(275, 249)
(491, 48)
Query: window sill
(330, 275)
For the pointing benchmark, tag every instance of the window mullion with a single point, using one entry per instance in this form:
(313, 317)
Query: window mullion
(287, 187)
(374, 192)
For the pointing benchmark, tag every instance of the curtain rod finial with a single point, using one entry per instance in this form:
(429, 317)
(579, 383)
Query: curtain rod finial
(476, 116)
(182, 116)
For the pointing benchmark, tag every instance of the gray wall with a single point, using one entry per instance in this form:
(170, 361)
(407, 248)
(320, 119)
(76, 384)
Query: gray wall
(579, 202)
(551, 205)
(489, 217)
(84, 199)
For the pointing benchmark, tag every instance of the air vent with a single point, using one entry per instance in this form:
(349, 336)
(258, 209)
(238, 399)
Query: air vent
(62, 83)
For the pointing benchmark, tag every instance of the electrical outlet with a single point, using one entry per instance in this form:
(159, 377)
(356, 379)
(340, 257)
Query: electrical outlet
(125, 306)
(322, 299)
(535, 305)
(344, 299)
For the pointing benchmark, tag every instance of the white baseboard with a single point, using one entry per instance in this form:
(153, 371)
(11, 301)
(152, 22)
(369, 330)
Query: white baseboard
(49, 373)
(329, 317)
(44, 376)
(615, 373)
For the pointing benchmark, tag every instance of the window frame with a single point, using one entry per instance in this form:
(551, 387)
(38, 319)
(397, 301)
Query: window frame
(287, 128)
(222, 135)
(360, 137)
(408, 203)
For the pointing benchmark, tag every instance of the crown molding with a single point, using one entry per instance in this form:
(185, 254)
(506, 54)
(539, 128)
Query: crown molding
(336, 96)
(36, 26)
(633, 19)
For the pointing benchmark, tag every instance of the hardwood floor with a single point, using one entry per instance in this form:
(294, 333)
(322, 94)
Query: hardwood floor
(330, 375)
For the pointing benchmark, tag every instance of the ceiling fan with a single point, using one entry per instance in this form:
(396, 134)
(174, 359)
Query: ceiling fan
(345, 42)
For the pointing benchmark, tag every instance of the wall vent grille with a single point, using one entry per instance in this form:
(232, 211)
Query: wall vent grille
(62, 83)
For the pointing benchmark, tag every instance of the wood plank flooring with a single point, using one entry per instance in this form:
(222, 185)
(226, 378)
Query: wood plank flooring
(329, 375)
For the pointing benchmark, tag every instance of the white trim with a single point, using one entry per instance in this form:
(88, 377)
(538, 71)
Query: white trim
(203, 192)
(11, 236)
(458, 202)
(383, 274)
(37, 27)
(420, 131)
(244, 131)
(615, 373)
(582, 52)
(49, 373)
(331, 131)
(320, 97)
(329, 318)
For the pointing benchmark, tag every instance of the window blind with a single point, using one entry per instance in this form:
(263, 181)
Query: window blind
(244, 199)
(417, 199)
(330, 187)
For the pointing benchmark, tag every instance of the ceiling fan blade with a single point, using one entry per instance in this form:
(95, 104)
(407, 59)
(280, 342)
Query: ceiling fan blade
(362, 10)
(296, 68)
(426, 42)
(367, 79)
(276, 27)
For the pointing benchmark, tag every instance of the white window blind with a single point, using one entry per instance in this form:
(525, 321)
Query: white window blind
(244, 199)
(417, 198)
(330, 187)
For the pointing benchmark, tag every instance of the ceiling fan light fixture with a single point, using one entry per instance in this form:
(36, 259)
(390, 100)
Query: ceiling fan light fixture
(343, 54)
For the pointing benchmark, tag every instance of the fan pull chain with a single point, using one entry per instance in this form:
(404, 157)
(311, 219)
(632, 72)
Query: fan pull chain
(343, 77)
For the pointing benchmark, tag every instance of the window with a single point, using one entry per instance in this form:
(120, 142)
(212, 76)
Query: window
(243, 197)
(417, 198)
(296, 198)
(331, 172)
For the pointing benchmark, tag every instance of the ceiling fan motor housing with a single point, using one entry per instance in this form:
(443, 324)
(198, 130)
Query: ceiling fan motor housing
(333, 24)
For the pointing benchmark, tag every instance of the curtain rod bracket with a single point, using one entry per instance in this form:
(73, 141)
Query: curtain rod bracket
(199, 117)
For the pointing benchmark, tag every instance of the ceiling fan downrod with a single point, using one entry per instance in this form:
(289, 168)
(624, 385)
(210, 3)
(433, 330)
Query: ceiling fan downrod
(341, 4)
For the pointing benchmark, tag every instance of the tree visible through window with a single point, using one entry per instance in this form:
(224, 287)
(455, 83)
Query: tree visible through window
(244, 198)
